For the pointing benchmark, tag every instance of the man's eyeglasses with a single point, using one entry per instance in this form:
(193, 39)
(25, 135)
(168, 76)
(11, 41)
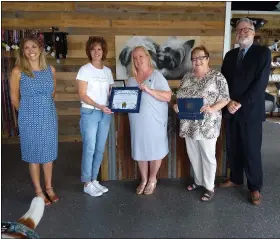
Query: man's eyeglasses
(245, 30)
(200, 58)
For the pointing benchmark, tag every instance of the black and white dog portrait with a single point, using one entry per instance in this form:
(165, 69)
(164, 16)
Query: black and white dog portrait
(124, 58)
(170, 55)
(174, 58)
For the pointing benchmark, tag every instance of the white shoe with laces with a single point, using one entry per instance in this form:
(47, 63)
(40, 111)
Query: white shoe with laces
(99, 186)
(92, 190)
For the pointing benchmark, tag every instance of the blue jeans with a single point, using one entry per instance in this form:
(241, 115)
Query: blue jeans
(94, 125)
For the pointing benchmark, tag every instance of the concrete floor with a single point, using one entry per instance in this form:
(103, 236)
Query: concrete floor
(170, 212)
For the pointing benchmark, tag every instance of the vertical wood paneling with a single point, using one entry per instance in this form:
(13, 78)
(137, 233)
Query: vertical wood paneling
(183, 165)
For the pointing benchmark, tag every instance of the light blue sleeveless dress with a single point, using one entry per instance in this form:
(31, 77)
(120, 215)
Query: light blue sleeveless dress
(37, 118)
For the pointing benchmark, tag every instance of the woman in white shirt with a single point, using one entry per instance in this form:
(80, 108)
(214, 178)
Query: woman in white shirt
(94, 82)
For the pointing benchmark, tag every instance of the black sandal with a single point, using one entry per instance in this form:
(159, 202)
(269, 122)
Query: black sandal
(208, 195)
(192, 187)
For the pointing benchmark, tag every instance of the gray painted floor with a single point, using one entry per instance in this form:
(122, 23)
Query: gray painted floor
(170, 212)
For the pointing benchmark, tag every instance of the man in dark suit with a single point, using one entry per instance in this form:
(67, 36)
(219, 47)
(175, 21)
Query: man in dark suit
(247, 71)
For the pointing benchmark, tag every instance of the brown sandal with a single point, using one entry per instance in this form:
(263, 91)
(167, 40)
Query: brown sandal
(51, 195)
(140, 188)
(42, 195)
(256, 198)
(207, 196)
(150, 188)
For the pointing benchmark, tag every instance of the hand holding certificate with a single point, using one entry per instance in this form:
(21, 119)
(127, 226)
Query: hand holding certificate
(189, 108)
(125, 99)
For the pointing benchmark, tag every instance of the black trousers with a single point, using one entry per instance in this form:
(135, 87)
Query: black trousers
(243, 142)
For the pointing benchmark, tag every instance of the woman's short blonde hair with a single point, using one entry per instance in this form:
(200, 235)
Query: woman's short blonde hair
(23, 62)
(133, 68)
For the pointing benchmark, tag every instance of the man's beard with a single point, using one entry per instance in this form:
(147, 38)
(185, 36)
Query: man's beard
(245, 41)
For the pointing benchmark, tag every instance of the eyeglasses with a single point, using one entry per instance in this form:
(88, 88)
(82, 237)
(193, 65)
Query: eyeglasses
(245, 30)
(200, 58)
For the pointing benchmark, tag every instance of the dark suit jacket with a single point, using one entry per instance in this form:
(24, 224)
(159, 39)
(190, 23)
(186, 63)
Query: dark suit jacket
(248, 85)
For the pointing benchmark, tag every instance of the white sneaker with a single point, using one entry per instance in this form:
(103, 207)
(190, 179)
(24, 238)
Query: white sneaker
(100, 187)
(92, 190)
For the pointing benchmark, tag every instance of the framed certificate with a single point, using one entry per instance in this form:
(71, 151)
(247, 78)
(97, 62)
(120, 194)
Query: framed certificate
(125, 99)
(189, 108)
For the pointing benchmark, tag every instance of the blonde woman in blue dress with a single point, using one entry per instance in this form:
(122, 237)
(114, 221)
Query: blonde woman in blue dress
(149, 142)
(33, 85)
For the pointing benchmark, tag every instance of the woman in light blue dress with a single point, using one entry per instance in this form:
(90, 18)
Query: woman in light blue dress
(32, 86)
(149, 142)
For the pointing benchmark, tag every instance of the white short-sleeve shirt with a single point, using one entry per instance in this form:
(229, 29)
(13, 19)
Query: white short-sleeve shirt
(99, 81)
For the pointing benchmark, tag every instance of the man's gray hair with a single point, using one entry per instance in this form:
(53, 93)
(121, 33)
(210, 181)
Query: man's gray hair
(245, 19)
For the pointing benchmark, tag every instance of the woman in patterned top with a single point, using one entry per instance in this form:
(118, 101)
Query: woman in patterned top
(32, 86)
(201, 135)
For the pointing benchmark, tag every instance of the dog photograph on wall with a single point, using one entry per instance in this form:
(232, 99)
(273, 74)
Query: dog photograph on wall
(171, 55)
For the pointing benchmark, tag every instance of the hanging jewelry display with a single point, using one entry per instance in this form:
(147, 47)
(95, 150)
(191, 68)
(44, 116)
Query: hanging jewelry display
(10, 41)
(55, 42)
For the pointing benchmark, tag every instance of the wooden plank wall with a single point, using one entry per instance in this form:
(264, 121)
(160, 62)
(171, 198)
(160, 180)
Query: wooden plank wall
(107, 19)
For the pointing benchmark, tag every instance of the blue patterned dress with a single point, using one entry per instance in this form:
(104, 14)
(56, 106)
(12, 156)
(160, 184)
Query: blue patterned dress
(37, 118)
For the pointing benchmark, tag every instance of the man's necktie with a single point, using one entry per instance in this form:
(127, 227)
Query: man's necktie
(239, 59)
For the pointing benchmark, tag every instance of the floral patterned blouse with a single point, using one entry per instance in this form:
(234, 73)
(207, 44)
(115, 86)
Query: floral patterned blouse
(212, 88)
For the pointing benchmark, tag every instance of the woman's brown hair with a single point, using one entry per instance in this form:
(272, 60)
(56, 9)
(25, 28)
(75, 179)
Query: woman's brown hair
(23, 62)
(92, 40)
(201, 48)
